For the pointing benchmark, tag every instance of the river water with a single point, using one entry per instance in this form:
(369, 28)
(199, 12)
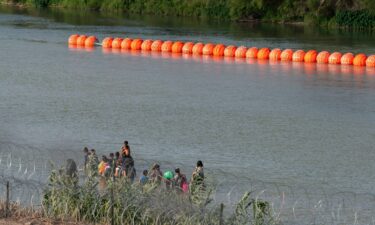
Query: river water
(300, 135)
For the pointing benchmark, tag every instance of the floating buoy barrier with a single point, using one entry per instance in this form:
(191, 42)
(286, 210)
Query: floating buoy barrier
(126, 43)
(167, 46)
(240, 52)
(81, 40)
(222, 51)
(219, 50)
(252, 52)
(322, 57)
(208, 49)
(116, 43)
(286, 55)
(197, 48)
(73, 39)
(146, 45)
(310, 56)
(360, 60)
(335, 58)
(90, 41)
(107, 42)
(188, 48)
(177, 47)
(275, 54)
(156, 46)
(263, 53)
(347, 59)
(136, 44)
(298, 56)
(370, 61)
(230, 51)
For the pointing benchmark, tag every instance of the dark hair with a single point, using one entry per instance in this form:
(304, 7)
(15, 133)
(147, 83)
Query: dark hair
(126, 142)
(145, 172)
(199, 163)
(111, 154)
(156, 166)
(177, 170)
(85, 149)
(92, 150)
(117, 154)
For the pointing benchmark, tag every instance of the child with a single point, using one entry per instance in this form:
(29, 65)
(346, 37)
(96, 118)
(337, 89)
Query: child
(144, 179)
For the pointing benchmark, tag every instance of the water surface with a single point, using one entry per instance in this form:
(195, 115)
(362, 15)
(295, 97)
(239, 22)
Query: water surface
(304, 130)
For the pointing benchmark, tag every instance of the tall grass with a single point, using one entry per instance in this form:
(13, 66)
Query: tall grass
(65, 199)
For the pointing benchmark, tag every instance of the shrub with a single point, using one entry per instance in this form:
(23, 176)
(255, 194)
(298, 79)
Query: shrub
(359, 19)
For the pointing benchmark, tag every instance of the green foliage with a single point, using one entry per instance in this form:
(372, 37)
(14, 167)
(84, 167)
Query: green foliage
(66, 199)
(359, 19)
(356, 13)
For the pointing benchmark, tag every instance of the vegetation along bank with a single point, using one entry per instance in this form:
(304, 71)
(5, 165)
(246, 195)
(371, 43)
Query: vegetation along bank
(345, 13)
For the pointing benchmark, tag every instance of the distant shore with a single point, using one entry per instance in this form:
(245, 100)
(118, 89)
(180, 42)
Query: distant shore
(329, 13)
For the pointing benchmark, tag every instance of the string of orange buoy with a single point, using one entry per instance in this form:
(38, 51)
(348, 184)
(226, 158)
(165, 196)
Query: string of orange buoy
(221, 50)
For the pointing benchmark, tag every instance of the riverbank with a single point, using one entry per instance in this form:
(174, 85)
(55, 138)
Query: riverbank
(331, 13)
(67, 201)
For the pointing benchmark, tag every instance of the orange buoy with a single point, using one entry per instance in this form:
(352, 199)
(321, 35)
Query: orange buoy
(335, 58)
(240, 52)
(81, 40)
(188, 48)
(156, 46)
(136, 44)
(230, 51)
(347, 59)
(275, 54)
(286, 55)
(310, 56)
(298, 56)
(126, 43)
(322, 57)
(73, 39)
(252, 52)
(370, 61)
(166, 46)
(218, 50)
(116, 43)
(263, 53)
(177, 47)
(360, 60)
(197, 48)
(208, 49)
(107, 42)
(146, 45)
(90, 41)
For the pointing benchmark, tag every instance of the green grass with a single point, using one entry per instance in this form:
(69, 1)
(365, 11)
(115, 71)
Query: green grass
(66, 199)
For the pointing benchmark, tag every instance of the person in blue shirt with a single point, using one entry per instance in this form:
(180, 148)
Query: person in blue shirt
(144, 179)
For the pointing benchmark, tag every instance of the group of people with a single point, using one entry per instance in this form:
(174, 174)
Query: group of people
(121, 164)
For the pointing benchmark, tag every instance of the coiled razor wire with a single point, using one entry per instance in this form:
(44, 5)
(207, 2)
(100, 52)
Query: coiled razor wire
(27, 169)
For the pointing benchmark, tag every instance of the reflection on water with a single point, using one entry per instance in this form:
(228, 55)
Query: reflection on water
(357, 73)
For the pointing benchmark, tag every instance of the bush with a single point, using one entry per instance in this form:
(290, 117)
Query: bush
(358, 19)
(64, 198)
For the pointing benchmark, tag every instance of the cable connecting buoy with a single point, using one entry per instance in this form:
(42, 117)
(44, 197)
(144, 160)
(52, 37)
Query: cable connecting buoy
(217, 51)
